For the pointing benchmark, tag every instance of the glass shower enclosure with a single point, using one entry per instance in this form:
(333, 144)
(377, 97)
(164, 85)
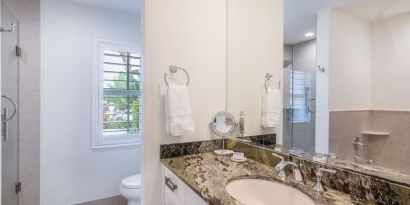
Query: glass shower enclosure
(299, 96)
(9, 107)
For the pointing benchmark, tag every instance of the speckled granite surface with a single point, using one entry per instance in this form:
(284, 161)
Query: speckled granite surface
(181, 149)
(207, 174)
(383, 173)
(358, 186)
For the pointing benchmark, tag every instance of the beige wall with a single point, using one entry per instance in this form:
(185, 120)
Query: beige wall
(390, 151)
(369, 67)
(28, 14)
(391, 63)
(191, 34)
(255, 33)
(350, 63)
(380, 92)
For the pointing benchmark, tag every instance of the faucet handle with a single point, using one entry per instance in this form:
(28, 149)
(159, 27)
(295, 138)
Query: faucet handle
(279, 166)
(278, 156)
(318, 186)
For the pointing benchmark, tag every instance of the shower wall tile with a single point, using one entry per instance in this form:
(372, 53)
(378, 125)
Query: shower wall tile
(390, 151)
(344, 126)
(28, 14)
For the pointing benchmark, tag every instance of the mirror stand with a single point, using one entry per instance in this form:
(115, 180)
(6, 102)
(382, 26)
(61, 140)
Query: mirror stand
(223, 124)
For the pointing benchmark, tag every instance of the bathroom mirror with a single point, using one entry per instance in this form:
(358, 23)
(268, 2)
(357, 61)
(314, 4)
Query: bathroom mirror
(343, 76)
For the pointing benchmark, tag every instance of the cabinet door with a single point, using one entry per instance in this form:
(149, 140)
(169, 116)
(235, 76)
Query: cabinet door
(174, 189)
(176, 192)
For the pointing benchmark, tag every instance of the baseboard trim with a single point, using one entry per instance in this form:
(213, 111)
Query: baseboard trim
(113, 200)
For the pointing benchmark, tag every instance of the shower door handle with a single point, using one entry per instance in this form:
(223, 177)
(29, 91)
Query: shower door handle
(5, 118)
(288, 112)
(308, 106)
(4, 125)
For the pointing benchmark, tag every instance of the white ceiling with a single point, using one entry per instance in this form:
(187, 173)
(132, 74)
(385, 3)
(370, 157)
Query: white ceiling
(132, 6)
(300, 15)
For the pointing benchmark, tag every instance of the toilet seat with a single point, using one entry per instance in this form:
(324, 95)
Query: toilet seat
(132, 182)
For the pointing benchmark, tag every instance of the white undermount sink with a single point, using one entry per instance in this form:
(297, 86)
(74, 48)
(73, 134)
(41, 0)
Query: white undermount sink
(263, 192)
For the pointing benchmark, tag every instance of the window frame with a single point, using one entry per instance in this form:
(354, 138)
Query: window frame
(99, 140)
(306, 81)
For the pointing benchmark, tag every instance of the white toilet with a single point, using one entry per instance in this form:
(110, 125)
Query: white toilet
(131, 189)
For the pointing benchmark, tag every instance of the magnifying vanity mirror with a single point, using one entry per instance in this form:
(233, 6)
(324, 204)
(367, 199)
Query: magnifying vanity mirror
(223, 124)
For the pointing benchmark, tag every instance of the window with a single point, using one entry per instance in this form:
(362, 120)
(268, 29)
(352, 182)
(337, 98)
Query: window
(300, 95)
(117, 94)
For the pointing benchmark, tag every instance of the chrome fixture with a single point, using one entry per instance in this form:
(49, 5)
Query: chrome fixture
(5, 118)
(174, 69)
(268, 76)
(287, 63)
(318, 186)
(280, 169)
(331, 157)
(241, 124)
(357, 145)
(321, 69)
(8, 29)
(308, 100)
(170, 184)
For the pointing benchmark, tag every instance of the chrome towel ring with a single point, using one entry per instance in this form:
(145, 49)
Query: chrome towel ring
(268, 76)
(174, 69)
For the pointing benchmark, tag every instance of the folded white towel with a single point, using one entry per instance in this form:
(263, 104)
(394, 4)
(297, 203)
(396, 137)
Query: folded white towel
(178, 111)
(270, 107)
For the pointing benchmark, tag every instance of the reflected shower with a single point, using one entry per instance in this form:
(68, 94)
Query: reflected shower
(286, 63)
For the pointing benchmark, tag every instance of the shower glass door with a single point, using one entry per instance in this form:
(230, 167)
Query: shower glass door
(299, 96)
(9, 105)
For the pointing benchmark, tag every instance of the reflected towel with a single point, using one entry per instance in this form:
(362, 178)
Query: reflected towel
(270, 107)
(178, 111)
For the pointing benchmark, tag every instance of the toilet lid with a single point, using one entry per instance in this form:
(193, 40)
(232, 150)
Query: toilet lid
(132, 182)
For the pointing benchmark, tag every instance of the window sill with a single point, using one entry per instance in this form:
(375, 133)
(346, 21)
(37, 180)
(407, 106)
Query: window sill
(105, 145)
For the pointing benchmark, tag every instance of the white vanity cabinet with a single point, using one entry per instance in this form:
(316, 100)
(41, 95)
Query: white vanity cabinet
(176, 192)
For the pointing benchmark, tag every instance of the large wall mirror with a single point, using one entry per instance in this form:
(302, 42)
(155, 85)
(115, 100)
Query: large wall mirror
(343, 78)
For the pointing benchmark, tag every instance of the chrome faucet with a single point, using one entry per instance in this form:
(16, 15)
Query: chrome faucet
(280, 169)
(357, 145)
(318, 186)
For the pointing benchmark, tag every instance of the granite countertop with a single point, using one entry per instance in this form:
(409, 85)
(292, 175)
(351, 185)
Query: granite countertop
(207, 174)
(382, 173)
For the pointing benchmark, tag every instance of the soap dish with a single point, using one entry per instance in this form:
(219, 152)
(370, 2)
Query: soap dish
(239, 160)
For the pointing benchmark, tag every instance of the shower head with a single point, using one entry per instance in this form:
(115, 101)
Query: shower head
(286, 63)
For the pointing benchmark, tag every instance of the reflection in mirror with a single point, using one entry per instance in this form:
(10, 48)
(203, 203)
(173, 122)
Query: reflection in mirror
(345, 72)
(252, 53)
(344, 77)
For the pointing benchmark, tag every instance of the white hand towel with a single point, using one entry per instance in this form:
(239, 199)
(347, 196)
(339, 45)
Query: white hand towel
(270, 107)
(178, 111)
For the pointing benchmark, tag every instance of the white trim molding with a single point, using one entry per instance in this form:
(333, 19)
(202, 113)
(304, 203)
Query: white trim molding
(99, 139)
